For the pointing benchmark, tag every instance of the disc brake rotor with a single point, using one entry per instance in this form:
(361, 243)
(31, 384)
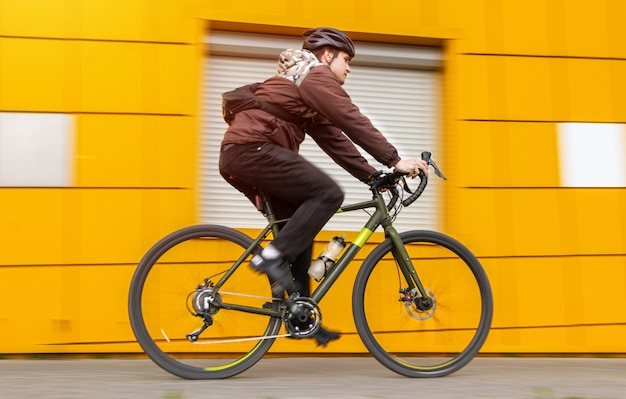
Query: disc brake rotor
(418, 312)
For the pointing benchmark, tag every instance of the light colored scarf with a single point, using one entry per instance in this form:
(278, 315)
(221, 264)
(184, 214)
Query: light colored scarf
(296, 64)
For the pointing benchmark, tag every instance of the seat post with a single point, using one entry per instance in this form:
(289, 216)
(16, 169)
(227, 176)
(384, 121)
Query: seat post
(264, 206)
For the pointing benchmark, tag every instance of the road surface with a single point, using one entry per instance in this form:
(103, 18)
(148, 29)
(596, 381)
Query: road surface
(317, 377)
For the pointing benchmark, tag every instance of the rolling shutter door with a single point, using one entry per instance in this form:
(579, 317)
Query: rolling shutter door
(401, 102)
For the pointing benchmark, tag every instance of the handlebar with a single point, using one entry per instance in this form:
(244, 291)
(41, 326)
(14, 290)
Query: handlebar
(389, 181)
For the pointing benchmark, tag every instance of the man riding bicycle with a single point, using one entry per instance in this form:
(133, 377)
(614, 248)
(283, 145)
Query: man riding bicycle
(259, 152)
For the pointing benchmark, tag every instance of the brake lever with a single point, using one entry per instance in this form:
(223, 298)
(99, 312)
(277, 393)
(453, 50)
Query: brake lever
(405, 186)
(394, 198)
(426, 157)
(437, 170)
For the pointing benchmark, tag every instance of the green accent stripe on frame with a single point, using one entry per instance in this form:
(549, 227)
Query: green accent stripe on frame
(362, 238)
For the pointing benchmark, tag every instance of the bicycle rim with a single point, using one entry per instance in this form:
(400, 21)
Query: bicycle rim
(430, 342)
(162, 313)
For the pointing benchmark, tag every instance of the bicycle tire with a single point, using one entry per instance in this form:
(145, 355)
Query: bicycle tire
(159, 304)
(423, 343)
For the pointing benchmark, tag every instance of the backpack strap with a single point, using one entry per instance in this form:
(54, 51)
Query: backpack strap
(243, 98)
(283, 114)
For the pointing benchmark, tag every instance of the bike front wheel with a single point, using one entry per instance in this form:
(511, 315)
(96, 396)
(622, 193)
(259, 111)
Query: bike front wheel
(403, 330)
(173, 294)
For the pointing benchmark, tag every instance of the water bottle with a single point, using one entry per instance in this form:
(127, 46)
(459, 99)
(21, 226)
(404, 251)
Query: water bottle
(317, 270)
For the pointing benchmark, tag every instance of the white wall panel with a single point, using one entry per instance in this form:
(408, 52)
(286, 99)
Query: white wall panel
(592, 154)
(36, 149)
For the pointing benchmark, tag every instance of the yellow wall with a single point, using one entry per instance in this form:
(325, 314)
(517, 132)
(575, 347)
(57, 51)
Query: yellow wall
(129, 72)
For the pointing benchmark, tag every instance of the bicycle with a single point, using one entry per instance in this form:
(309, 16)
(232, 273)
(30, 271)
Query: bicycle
(198, 314)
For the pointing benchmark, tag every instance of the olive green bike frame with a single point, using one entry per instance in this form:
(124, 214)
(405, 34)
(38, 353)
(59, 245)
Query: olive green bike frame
(379, 218)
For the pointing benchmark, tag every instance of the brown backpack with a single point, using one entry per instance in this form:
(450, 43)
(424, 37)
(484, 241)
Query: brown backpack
(243, 98)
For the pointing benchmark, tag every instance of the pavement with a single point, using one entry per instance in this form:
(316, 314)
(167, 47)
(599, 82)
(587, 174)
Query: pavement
(316, 377)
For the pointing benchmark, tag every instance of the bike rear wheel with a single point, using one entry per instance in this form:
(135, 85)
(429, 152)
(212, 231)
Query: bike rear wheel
(176, 273)
(401, 333)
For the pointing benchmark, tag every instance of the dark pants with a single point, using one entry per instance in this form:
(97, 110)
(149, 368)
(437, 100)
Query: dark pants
(297, 190)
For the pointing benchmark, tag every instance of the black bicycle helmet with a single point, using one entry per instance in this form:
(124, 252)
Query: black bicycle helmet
(320, 37)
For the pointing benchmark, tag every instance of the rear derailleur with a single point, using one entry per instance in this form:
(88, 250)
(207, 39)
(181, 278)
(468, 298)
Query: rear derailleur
(206, 302)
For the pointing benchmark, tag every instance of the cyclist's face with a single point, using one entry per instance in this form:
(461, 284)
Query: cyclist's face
(339, 65)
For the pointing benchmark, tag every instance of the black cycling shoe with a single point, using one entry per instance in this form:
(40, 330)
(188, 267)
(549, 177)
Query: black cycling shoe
(278, 272)
(323, 336)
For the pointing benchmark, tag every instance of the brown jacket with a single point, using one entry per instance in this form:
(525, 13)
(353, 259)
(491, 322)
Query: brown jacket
(336, 114)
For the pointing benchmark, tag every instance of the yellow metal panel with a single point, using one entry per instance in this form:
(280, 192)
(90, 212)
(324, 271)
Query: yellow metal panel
(21, 326)
(572, 340)
(505, 88)
(585, 28)
(560, 90)
(531, 294)
(178, 81)
(33, 226)
(524, 27)
(105, 288)
(539, 306)
(600, 218)
(557, 27)
(114, 219)
(543, 221)
(128, 78)
(62, 76)
(525, 90)
(143, 20)
(477, 219)
(135, 151)
(83, 304)
(507, 154)
(590, 89)
(467, 24)
(494, 35)
(21, 18)
(539, 27)
(540, 89)
(618, 89)
(476, 81)
(57, 226)
(137, 20)
(105, 19)
(616, 29)
(32, 75)
(369, 17)
(111, 76)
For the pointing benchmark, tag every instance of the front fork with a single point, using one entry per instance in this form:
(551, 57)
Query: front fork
(415, 292)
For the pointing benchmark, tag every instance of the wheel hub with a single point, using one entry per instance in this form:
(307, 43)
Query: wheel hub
(206, 300)
(417, 306)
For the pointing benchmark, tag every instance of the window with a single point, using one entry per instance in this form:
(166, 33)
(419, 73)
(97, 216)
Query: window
(397, 87)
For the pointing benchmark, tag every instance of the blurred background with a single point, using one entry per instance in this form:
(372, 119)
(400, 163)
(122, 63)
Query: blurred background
(110, 124)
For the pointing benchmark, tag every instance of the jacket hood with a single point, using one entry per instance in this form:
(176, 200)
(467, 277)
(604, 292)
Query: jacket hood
(294, 65)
